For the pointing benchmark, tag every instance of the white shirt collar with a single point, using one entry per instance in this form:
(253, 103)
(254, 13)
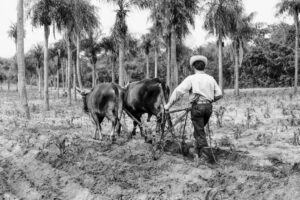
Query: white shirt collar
(199, 72)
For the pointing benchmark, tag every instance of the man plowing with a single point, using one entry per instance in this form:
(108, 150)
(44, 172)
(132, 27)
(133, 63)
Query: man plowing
(203, 91)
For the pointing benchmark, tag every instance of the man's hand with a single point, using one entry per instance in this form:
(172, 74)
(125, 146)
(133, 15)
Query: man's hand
(218, 98)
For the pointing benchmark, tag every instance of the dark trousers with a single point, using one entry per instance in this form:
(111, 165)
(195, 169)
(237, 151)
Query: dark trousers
(200, 115)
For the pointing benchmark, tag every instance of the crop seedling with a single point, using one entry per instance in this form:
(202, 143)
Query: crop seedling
(237, 132)
(249, 114)
(267, 112)
(219, 112)
(293, 120)
(296, 139)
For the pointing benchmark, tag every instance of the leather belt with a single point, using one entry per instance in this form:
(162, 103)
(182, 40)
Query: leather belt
(202, 102)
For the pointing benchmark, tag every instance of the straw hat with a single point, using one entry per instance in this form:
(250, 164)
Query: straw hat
(198, 58)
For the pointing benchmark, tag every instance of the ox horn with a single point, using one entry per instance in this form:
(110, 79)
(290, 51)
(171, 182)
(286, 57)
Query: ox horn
(79, 90)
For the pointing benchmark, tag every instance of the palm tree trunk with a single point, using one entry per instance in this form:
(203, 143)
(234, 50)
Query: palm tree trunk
(155, 61)
(147, 66)
(78, 61)
(69, 98)
(236, 70)
(94, 74)
(220, 63)
(46, 76)
(16, 63)
(66, 74)
(74, 81)
(21, 60)
(8, 83)
(40, 81)
(113, 77)
(121, 62)
(296, 52)
(168, 62)
(174, 69)
(57, 84)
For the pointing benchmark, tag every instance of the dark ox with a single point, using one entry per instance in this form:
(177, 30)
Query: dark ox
(146, 96)
(104, 100)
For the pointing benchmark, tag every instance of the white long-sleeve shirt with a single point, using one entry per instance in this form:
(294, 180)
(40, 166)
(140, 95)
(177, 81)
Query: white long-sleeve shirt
(200, 86)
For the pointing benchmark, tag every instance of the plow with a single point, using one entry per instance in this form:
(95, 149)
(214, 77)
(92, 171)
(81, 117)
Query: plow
(159, 140)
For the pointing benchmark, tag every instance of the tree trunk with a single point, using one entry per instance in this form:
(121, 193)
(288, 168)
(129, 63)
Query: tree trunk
(174, 69)
(57, 83)
(46, 76)
(21, 60)
(236, 69)
(74, 81)
(16, 63)
(147, 66)
(113, 77)
(155, 61)
(66, 74)
(8, 84)
(40, 81)
(296, 52)
(220, 63)
(69, 71)
(121, 62)
(94, 74)
(168, 74)
(78, 62)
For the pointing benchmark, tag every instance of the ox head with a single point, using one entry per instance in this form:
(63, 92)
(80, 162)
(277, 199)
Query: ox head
(84, 94)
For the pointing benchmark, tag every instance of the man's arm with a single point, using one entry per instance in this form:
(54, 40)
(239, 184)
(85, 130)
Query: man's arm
(179, 91)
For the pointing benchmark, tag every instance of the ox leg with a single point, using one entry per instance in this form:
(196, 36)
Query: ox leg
(112, 117)
(97, 130)
(133, 133)
(160, 125)
(99, 119)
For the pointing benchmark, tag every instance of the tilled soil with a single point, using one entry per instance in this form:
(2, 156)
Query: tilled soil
(53, 157)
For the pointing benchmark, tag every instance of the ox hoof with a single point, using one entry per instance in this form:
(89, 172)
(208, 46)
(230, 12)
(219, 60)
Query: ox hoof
(148, 140)
(97, 138)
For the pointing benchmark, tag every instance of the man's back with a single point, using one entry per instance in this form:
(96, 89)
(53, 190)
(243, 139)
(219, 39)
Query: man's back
(204, 85)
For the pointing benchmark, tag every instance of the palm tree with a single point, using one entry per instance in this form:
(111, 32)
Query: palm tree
(86, 21)
(146, 45)
(92, 48)
(44, 13)
(120, 32)
(108, 44)
(37, 54)
(220, 20)
(240, 36)
(176, 16)
(12, 33)
(59, 51)
(156, 28)
(21, 59)
(292, 7)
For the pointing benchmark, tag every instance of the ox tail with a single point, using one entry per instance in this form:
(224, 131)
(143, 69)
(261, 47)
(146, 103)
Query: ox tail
(120, 97)
(165, 91)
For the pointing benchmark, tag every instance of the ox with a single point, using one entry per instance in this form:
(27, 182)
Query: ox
(104, 100)
(146, 96)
